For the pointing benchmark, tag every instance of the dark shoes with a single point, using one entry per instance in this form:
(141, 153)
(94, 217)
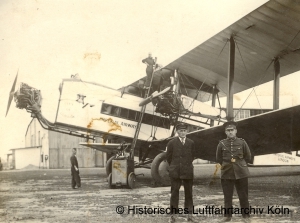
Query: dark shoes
(171, 219)
(190, 218)
(226, 219)
(246, 218)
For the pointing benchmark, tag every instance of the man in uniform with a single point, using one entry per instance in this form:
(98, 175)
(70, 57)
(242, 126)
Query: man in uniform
(180, 156)
(75, 170)
(233, 154)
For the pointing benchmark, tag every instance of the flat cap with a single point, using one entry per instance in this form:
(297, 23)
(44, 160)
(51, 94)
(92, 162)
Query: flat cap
(181, 126)
(230, 125)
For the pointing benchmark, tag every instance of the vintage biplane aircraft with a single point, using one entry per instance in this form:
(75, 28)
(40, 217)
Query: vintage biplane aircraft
(261, 47)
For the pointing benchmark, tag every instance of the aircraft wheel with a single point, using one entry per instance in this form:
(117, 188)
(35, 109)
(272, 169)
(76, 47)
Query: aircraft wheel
(109, 179)
(109, 165)
(131, 180)
(160, 170)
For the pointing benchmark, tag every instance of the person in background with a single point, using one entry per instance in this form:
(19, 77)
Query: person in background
(149, 70)
(76, 181)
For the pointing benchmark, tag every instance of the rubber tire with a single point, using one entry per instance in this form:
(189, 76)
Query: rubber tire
(131, 180)
(108, 166)
(160, 170)
(109, 180)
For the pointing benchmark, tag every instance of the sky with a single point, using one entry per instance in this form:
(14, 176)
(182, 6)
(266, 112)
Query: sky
(103, 41)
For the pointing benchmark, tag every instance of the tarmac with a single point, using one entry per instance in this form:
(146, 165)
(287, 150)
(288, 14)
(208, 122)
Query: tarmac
(46, 196)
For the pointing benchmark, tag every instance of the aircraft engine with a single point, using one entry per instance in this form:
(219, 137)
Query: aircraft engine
(29, 98)
(168, 104)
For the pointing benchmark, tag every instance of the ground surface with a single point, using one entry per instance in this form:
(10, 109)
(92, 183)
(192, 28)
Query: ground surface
(46, 196)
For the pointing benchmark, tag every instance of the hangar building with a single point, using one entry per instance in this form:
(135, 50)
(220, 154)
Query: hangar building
(46, 149)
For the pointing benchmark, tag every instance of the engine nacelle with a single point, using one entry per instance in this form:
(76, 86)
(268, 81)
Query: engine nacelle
(29, 98)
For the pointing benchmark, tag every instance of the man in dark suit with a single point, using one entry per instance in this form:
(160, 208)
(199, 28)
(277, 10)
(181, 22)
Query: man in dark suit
(180, 156)
(75, 170)
(233, 154)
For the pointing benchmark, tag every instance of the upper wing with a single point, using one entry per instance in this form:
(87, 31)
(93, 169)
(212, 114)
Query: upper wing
(271, 31)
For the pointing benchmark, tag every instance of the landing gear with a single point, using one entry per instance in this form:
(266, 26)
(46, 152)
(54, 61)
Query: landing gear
(131, 180)
(122, 173)
(109, 165)
(159, 170)
(109, 179)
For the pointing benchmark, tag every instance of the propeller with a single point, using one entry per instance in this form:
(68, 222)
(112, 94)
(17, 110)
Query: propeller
(11, 94)
(152, 96)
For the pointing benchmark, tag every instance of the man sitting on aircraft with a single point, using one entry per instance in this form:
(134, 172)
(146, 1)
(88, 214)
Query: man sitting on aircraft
(180, 156)
(75, 170)
(233, 154)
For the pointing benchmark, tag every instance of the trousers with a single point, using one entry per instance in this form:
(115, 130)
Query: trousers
(241, 186)
(75, 179)
(188, 194)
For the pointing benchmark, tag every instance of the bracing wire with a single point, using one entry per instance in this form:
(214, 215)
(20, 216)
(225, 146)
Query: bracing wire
(246, 73)
(180, 76)
(206, 76)
(293, 39)
(258, 82)
(263, 75)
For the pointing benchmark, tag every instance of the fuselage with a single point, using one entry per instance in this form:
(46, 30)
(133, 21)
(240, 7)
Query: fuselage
(106, 111)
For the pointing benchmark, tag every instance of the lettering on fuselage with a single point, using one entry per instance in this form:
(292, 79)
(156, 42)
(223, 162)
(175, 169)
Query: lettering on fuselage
(126, 124)
(285, 158)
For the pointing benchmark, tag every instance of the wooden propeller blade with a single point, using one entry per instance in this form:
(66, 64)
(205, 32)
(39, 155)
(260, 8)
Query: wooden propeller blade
(11, 94)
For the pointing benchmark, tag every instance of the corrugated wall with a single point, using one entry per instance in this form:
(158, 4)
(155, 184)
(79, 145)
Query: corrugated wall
(60, 150)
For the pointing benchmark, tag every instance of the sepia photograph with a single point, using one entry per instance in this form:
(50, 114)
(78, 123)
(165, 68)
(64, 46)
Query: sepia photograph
(150, 111)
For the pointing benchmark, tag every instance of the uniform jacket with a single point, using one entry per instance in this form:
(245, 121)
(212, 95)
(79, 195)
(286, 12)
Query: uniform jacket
(74, 162)
(237, 149)
(180, 158)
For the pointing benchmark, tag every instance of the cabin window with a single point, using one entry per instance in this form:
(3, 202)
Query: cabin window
(106, 109)
(156, 121)
(132, 115)
(148, 119)
(124, 113)
(128, 114)
(115, 111)
(164, 123)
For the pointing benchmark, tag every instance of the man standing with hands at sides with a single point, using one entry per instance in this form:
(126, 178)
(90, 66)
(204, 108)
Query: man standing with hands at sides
(180, 156)
(233, 154)
(75, 170)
